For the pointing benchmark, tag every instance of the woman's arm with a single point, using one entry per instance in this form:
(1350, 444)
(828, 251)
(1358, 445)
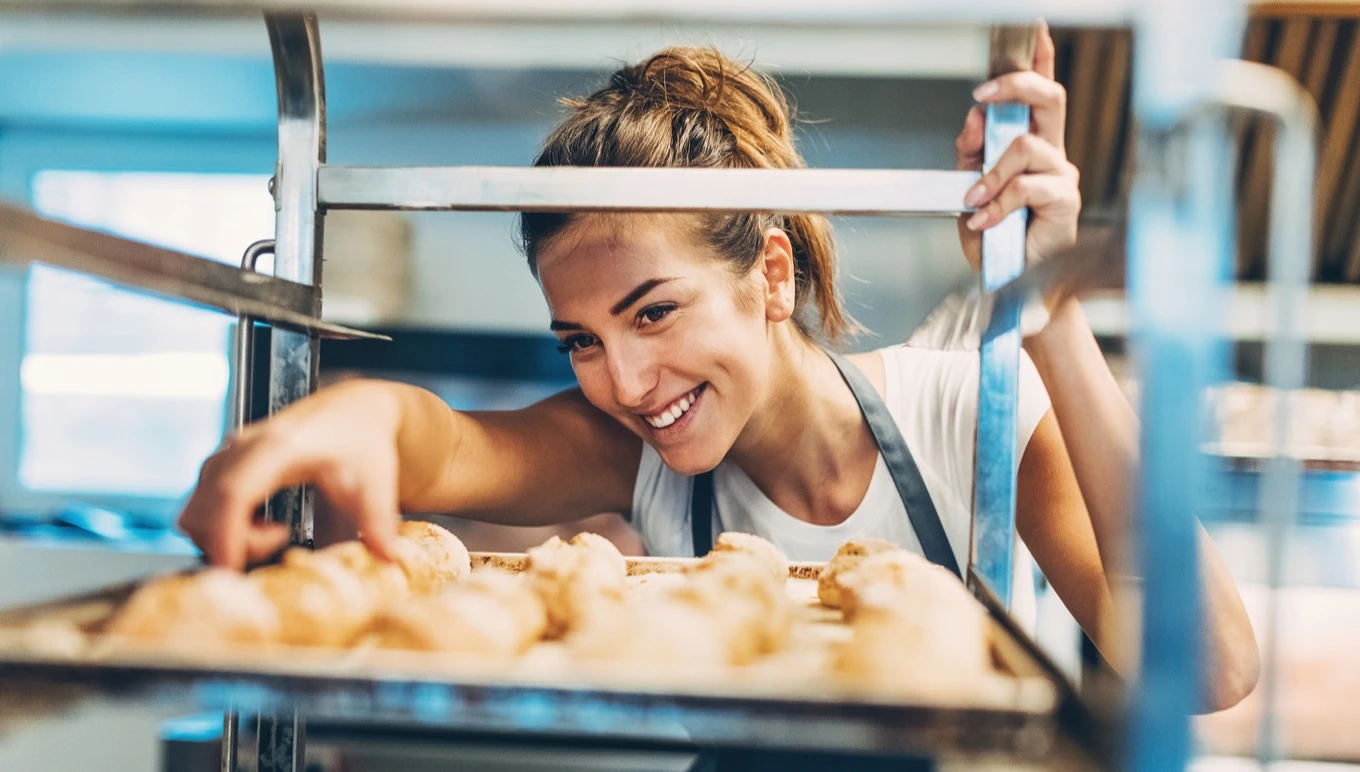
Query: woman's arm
(1075, 490)
(374, 449)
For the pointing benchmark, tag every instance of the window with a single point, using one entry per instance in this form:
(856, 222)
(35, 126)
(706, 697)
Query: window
(125, 394)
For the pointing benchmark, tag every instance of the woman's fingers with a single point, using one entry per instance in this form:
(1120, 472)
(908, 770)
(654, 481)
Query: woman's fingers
(1039, 191)
(370, 503)
(1046, 98)
(1044, 51)
(1027, 154)
(263, 540)
(968, 146)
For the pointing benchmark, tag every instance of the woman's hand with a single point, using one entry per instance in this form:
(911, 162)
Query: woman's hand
(343, 440)
(1033, 172)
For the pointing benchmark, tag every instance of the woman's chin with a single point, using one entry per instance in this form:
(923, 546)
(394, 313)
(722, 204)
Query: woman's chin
(690, 462)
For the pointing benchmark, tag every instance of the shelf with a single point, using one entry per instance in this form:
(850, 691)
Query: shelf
(473, 188)
(27, 238)
(1331, 313)
(786, 12)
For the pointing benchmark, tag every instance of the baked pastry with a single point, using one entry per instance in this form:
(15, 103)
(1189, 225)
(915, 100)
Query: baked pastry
(943, 653)
(849, 556)
(211, 607)
(320, 601)
(770, 558)
(430, 556)
(491, 614)
(672, 629)
(900, 578)
(578, 581)
(739, 587)
(384, 581)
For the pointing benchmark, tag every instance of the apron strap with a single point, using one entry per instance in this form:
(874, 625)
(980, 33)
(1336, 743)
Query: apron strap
(925, 520)
(701, 513)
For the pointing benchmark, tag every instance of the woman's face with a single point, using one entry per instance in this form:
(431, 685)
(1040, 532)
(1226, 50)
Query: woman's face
(661, 333)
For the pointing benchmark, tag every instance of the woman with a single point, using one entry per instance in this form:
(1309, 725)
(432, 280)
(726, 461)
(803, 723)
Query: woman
(695, 343)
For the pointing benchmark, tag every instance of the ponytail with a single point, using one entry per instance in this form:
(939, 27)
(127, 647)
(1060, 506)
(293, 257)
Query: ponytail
(696, 108)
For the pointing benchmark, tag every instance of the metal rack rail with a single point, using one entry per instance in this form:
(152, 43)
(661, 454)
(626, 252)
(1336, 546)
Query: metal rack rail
(1180, 230)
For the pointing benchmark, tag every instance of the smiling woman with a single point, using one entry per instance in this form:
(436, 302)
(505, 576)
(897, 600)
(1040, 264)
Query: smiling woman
(708, 400)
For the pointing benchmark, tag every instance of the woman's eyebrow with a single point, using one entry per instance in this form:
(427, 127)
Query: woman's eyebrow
(636, 295)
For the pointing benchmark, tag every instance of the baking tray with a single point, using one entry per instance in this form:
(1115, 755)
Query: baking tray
(50, 656)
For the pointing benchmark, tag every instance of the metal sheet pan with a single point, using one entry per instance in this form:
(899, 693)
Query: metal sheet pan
(1039, 720)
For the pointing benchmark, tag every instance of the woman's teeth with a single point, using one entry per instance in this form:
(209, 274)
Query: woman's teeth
(672, 414)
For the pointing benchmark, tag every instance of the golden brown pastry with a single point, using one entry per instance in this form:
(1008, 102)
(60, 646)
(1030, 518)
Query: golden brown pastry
(320, 602)
(491, 614)
(739, 587)
(770, 558)
(672, 628)
(727, 609)
(578, 581)
(900, 575)
(849, 556)
(942, 653)
(213, 606)
(439, 557)
(385, 581)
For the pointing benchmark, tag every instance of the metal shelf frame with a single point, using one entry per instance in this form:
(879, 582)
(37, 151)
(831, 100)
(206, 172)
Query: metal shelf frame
(1179, 238)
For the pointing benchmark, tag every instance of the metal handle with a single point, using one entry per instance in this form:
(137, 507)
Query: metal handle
(244, 353)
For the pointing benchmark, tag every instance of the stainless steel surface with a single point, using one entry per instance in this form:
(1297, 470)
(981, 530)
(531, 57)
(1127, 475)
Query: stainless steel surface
(27, 238)
(846, 12)
(231, 721)
(245, 359)
(992, 547)
(472, 188)
(295, 40)
(1266, 90)
(282, 742)
(296, 43)
(244, 355)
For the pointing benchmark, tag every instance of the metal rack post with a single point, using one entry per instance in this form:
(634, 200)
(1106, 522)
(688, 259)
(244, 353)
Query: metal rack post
(992, 547)
(1181, 218)
(296, 43)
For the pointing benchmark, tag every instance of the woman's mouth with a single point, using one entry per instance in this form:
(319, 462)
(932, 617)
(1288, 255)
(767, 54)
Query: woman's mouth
(674, 417)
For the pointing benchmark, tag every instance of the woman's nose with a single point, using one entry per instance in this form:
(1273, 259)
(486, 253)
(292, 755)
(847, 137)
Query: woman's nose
(633, 376)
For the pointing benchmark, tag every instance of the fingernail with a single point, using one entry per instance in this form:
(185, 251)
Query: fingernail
(976, 221)
(986, 90)
(975, 195)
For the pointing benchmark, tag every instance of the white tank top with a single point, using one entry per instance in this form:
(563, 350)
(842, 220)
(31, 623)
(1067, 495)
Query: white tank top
(932, 395)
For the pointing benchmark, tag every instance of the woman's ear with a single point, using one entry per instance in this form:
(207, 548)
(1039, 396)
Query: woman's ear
(781, 275)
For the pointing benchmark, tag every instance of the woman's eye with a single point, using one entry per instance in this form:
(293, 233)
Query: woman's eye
(654, 314)
(576, 343)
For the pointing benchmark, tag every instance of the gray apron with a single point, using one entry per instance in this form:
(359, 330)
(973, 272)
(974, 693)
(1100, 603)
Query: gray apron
(901, 466)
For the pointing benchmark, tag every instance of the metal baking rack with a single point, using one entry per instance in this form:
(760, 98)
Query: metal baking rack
(1180, 231)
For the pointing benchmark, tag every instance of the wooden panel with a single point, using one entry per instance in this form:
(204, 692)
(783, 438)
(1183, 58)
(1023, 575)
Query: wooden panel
(1083, 92)
(1254, 202)
(1320, 8)
(1334, 156)
(1112, 125)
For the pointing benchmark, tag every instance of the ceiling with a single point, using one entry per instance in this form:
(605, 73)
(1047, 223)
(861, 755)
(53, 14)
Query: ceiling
(1318, 44)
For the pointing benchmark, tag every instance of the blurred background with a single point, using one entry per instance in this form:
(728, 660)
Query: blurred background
(166, 132)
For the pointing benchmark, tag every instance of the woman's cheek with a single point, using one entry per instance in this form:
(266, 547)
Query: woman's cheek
(594, 383)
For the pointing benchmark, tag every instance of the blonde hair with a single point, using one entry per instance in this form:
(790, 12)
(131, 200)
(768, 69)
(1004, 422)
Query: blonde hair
(695, 107)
